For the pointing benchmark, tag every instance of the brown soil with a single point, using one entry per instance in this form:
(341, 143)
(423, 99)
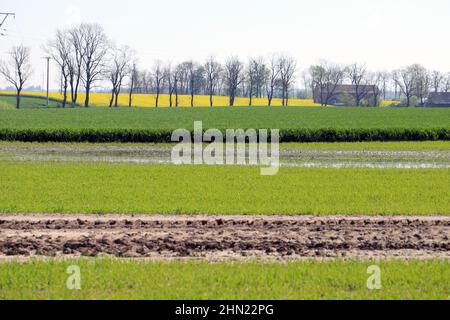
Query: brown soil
(224, 237)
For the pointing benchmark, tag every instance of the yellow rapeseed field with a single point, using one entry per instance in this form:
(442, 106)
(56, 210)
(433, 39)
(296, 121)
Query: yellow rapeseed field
(149, 100)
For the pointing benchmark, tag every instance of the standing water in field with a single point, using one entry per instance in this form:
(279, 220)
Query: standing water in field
(151, 154)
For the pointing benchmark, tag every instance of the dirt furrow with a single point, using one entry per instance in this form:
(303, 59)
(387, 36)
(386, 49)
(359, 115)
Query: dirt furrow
(224, 237)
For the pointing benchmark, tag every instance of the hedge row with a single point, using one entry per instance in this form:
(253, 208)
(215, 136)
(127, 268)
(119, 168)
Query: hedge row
(152, 136)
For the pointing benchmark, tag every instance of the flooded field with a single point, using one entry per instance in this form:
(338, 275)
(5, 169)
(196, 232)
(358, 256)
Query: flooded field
(145, 154)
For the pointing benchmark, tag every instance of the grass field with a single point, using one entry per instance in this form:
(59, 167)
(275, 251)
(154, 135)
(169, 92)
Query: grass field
(114, 279)
(9, 102)
(306, 124)
(166, 189)
(224, 118)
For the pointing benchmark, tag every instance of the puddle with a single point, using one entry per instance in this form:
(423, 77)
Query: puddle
(288, 157)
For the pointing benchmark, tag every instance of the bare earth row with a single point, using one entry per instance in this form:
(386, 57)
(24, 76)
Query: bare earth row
(224, 237)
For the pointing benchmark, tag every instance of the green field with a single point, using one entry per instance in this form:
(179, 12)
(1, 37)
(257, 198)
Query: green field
(9, 102)
(167, 189)
(224, 118)
(115, 279)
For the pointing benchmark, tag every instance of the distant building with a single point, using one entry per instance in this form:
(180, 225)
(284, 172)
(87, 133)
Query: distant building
(439, 99)
(347, 95)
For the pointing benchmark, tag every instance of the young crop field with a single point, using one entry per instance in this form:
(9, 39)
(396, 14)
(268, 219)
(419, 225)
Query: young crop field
(296, 124)
(8, 102)
(224, 118)
(166, 189)
(116, 279)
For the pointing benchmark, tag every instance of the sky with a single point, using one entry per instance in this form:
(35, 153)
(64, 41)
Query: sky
(383, 34)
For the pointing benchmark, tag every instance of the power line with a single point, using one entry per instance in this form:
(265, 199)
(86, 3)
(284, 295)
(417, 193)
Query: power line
(6, 15)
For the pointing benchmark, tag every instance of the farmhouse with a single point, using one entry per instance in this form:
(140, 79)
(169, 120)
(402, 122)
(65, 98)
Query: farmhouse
(347, 95)
(439, 99)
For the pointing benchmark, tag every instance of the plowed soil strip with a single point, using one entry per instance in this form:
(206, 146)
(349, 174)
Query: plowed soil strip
(224, 237)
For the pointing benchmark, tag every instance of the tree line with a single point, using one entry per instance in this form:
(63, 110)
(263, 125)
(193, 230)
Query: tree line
(411, 82)
(85, 56)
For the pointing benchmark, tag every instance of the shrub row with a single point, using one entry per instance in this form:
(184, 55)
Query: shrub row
(164, 136)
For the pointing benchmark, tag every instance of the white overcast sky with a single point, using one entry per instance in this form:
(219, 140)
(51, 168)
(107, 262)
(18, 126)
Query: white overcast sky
(384, 34)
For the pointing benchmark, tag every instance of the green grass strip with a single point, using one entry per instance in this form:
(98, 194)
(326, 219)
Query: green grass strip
(120, 279)
(166, 189)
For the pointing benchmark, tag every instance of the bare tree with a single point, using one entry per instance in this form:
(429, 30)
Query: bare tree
(358, 76)
(288, 67)
(405, 80)
(60, 50)
(233, 77)
(447, 83)
(382, 81)
(134, 82)
(17, 70)
(213, 71)
(195, 76)
(94, 46)
(190, 70)
(177, 76)
(158, 78)
(422, 81)
(437, 80)
(307, 81)
(251, 75)
(146, 82)
(261, 76)
(170, 77)
(378, 80)
(273, 78)
(76, 61)
(326, 77)
(117, 71)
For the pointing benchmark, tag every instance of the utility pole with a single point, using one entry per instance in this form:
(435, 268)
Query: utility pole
(2, 21)
(48, 78)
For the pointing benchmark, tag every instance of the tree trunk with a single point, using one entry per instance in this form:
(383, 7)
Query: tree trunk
(75, 94)
(86, 102)
(157, 99)
(287, 97)
(130, 97)
(116, 103)
(112, 99)
(211, 95)
(65, 95)
(270, 97)
(232, 99)
(18, 99)
(71, 91)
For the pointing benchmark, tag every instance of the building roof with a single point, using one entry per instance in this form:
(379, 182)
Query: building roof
(351, 89)
(439, 98)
